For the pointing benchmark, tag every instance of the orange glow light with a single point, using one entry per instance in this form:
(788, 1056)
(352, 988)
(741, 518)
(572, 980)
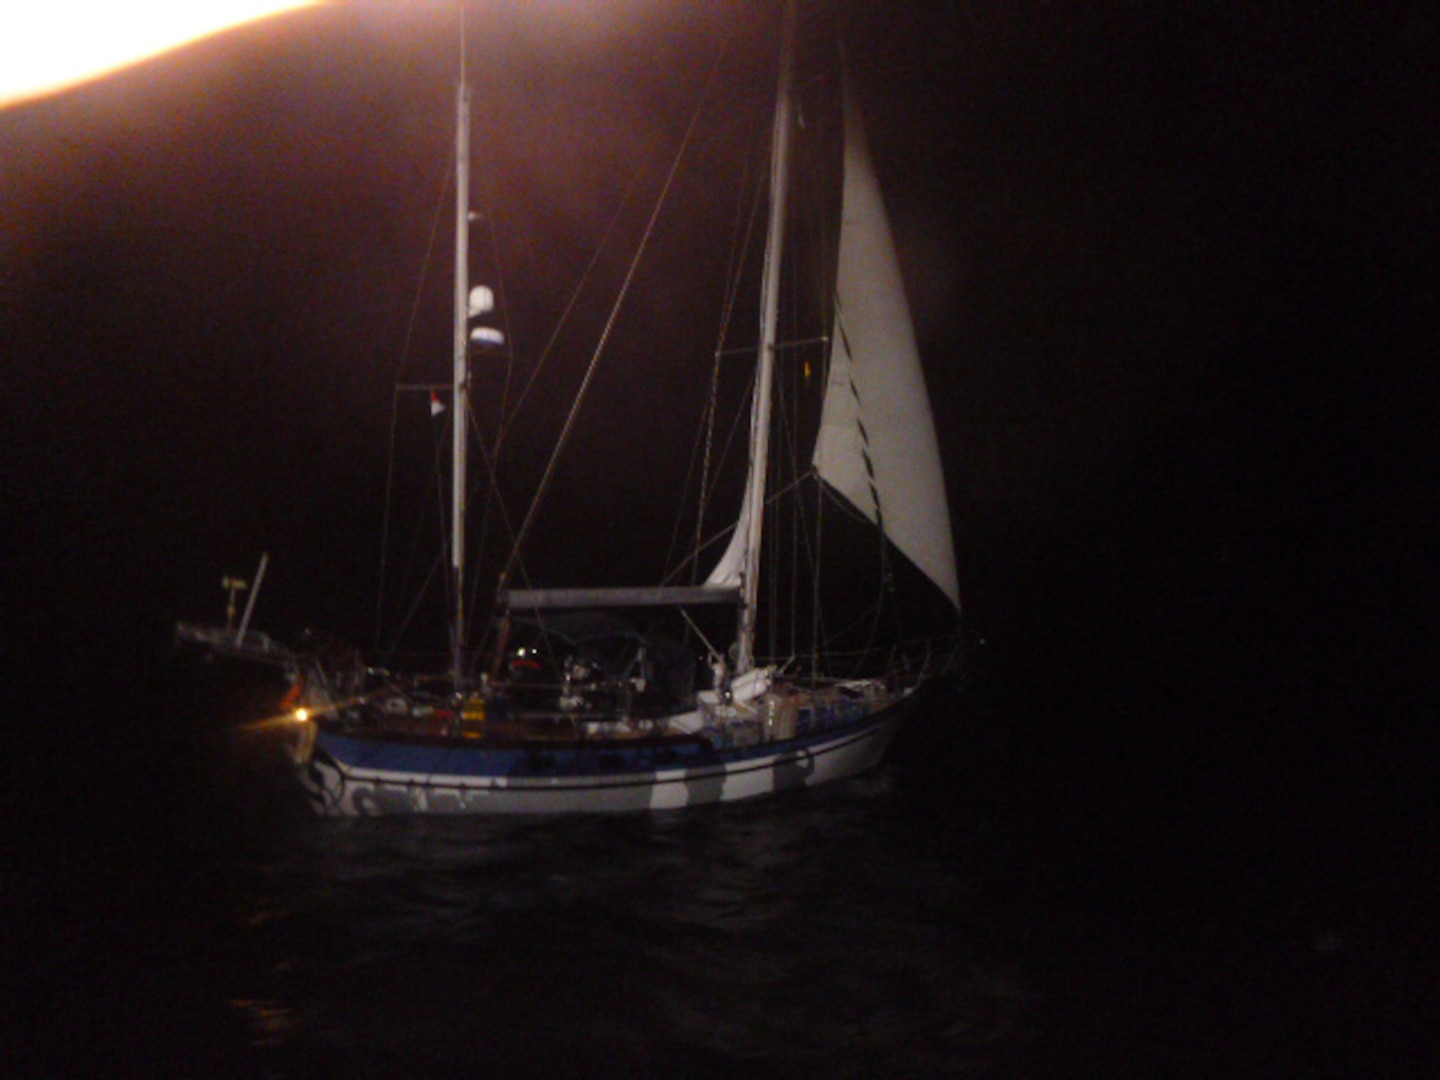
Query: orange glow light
(48, 47)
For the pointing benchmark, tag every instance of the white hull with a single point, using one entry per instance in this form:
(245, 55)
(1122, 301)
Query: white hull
(341, 788)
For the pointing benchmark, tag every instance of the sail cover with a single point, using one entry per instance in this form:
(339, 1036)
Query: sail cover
(877, 446)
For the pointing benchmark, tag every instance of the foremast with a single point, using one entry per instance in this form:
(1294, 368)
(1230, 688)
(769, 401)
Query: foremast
(461, 389)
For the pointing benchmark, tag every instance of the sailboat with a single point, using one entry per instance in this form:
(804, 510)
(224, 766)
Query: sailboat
(572, 709)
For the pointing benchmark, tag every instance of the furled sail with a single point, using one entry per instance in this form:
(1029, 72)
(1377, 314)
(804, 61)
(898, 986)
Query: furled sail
(737, 567)
(877, 444)
(729, 571)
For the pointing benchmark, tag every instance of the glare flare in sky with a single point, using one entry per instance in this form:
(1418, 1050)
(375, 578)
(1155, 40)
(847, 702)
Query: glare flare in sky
(49, 45)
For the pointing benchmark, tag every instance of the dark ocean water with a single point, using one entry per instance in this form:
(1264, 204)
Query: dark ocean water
(204, 923)
(1024, 889)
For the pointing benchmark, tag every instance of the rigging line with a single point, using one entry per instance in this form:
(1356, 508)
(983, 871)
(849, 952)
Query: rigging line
(826, 256)
(492, 498)
(791, 439)
(435, 566)
(833, 497)
(609, 327)
(780, 346)
(445, 526)
(424, 269)
(491, 457)
(739, 256)
(494, 493)
(385, 523)
(801, 533)
(739, 253)
(737, 428)
(493, 622)
(504, 309)
(817, 617)
(724, 533)
(772, 581)
(876, 613)
(709, 646)
(439, 479)
(828, 496)
(708, 483)
(506, 420)
(786, 452)
(915, 643)
(873, 615)
(704, 436)
(868, 615)
(797, 537)
(394, 404)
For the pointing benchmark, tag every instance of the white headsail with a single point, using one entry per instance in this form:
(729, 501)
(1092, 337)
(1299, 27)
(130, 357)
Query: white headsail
(877, 444)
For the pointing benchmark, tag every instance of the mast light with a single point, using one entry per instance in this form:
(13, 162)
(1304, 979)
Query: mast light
(482, 300)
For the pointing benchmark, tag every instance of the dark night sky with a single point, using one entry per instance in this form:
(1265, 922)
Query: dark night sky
(1173, 272)
(1170, 268)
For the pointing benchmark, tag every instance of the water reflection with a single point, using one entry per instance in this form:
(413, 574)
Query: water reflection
(815, 932)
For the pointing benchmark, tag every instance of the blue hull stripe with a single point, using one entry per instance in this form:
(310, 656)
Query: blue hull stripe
(445, 764)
